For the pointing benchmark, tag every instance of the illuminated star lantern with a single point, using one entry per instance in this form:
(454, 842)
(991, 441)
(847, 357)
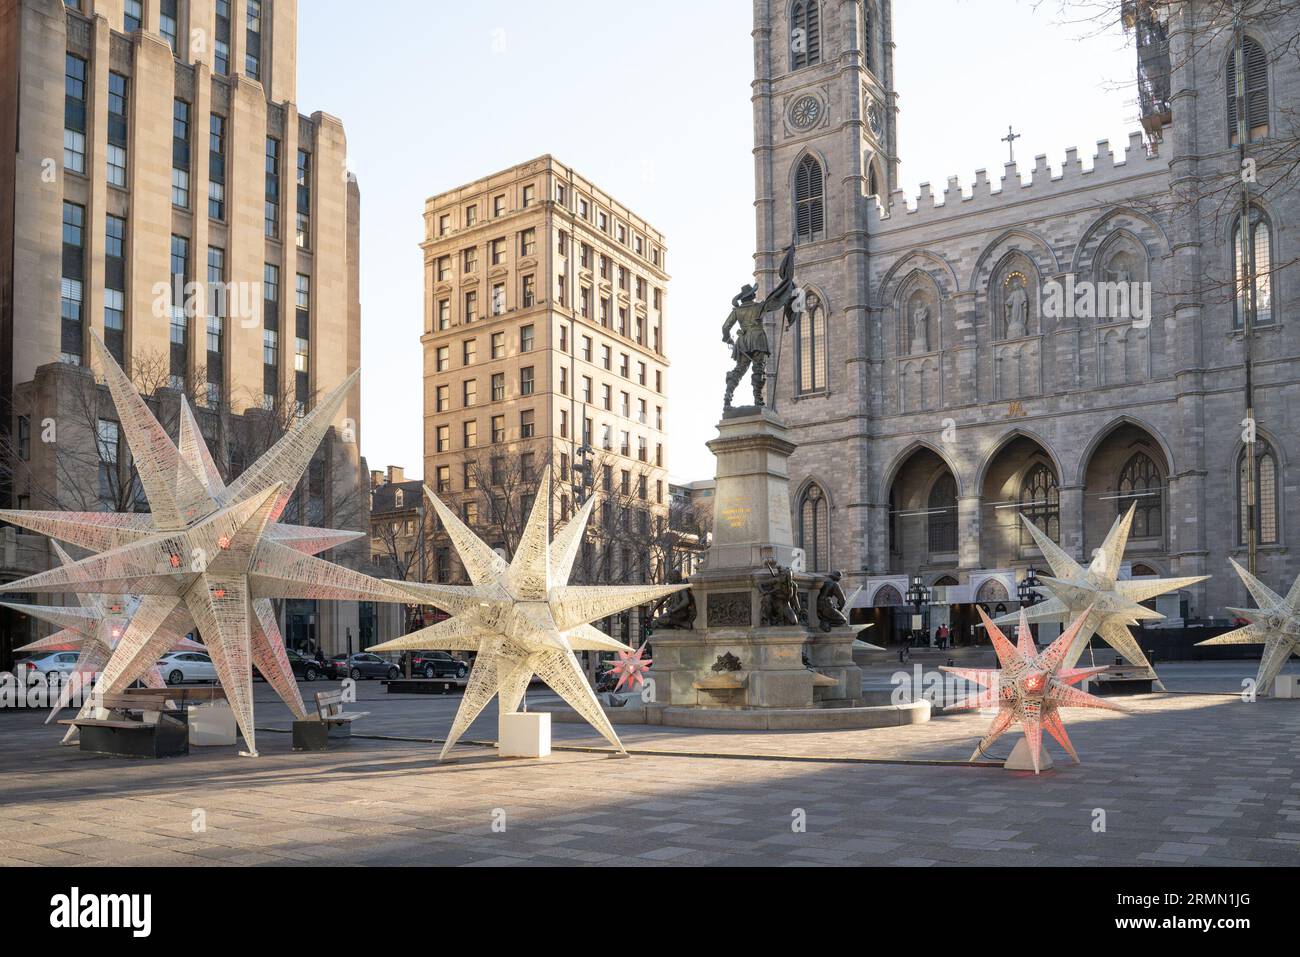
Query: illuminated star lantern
(1112, 605)
(1030, 689)
(521, 618)
(1275, 624)
(208, 554)
(92, 628)
(631, 668)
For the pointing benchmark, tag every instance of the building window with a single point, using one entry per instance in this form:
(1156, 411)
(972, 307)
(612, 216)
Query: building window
(272, 188)
(498, 345)
(217, 168)
(498, 299)
(529, 192)
(444, 486)
(809, 201)
(471, 305)
(526, 426)
(869, 35)
(444, 314)
(108, 435)
(253, 43)
(527, 381)
(470, 260)
(74, 114)
(221, 43)
(498, 429)
(498, 386)
(528, 242)
(529, 291)
(814, 528)
(1266, 495)
(943, 515)
(444, 438)
(499, 205)
(118, 98)
(805, 37)
(167, 19)
(179, 329)
(1040, 502)
(71, 289)
(469, 352)
(442, 357)
(442, 268)
(303, 218)
(132, 15)
(811, 340)
(526, 338)
(442, 398)
(1142, 486)
(114, 285)
(180, 154)
(1256, 92)
(1261, 236)
(471, 216)
(469, 393)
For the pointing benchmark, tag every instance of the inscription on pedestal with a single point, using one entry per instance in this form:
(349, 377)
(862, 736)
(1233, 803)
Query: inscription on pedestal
(728, 608)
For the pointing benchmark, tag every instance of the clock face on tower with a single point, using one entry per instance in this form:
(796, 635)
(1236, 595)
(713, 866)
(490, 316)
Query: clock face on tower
(875, 118)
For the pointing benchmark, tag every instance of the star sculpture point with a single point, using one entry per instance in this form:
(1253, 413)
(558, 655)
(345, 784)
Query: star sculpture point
(207, 553)
(521, 618)
(1031, 687)
(1112, 604)
(1274, 623)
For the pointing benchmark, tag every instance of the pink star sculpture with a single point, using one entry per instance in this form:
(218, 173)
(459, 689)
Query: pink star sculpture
(1031, 687)
(631, 668)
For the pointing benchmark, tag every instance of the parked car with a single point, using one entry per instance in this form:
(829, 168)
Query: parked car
(308, 667)
(364, 665)
(181, 666)
(437, 664)
(52, 662)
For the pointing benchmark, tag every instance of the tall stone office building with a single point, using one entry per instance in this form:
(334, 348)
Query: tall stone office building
(152, 153)
(544, 332)
(934, 397)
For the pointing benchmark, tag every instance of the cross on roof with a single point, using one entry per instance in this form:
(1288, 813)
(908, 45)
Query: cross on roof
(1010, 140)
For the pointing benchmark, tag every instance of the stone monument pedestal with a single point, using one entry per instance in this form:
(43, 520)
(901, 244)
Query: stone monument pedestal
(736, 657)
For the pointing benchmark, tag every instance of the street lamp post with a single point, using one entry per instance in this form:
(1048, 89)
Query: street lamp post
(918, 596)
(1026, 591)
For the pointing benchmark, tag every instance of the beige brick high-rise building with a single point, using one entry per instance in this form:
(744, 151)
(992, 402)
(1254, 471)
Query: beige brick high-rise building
(163, 191)
(544, 332)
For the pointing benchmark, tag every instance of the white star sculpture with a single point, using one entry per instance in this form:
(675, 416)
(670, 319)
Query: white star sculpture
(521, 618)
(92, 628)
(1275, 624)
(1031, 688)
(208, 554)
(1111, 605)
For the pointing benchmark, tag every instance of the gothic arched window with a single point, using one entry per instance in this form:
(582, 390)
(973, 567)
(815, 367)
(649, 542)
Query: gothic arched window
(811, 362)
(1266, 497)
(814, 528)
(873, 181)
(809, 193)
(943, 514)
(1256, 91)
(1040, 501)
(1261, 236)
(1142, 485)
(805, 34)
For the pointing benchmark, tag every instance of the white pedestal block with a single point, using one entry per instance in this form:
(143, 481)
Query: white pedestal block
(1021, 760)
(1286, 686)
(212, 725)
(526, 735)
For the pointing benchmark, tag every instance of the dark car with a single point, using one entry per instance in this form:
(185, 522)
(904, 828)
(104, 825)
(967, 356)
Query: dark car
(363, 665)
(307, 667)
(437, 664)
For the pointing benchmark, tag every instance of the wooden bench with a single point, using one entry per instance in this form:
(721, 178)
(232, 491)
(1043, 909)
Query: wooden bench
(331, 723)
(159, 732)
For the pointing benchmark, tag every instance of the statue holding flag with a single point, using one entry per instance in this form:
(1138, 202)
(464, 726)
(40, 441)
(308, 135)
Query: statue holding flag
(750, 348)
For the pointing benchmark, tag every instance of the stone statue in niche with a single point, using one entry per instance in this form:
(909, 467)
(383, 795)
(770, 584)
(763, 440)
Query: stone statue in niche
(780, 598)
(920, 322)
(830, 603)
(1017, 311)
(1120, 269)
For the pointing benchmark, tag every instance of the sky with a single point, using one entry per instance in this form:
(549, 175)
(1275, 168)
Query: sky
(651, 101)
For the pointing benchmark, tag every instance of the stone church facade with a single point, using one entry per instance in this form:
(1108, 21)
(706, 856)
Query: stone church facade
(936, 393)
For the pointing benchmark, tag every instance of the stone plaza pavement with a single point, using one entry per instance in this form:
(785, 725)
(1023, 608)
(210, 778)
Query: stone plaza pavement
(1188, 778)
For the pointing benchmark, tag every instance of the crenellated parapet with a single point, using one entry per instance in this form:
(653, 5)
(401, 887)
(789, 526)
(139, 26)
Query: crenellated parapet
(1108, 167)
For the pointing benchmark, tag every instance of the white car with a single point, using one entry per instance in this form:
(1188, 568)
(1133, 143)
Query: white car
(61, 662)
(182, 666)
